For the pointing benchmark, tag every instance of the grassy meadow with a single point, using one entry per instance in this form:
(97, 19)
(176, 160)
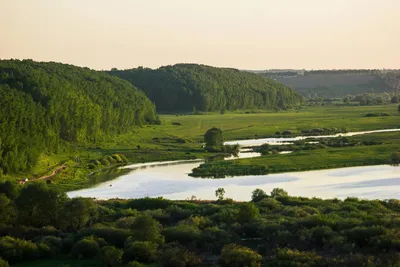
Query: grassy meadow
(180, 137)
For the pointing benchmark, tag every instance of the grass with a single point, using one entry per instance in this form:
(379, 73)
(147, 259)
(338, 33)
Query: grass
(165, 142)
(326, 158)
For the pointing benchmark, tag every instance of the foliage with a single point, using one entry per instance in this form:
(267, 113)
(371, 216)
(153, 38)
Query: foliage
(248, 212)
(39, 204)
(145, 228)
(85, 249)
(220, 193)
(214, 140)
(174, 255)
(258, 195)
(185, 87)
(3, 263)
(111, 256)
(395, 158)
(233, 255)
(278, 192)
(142, 251)
(52, 102)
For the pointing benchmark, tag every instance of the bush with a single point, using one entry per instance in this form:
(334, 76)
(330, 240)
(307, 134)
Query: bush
(105, 162)
(112, 236)
(111, 159)
(237, 256)
(91, 166)
(135, 264)
(125, 222)
(111, 256)
(175, 255)
(117, 158)
(124, 159)
(85, 249)
(176, 123)
(3, 263)
(143, 251)
(54, 243)
(14, 249)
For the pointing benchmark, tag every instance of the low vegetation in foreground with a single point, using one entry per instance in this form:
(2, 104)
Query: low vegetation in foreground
(41, 226)
(362, 150)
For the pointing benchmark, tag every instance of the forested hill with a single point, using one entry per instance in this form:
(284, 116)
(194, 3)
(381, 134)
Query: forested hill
(184, 87)
(44, 103)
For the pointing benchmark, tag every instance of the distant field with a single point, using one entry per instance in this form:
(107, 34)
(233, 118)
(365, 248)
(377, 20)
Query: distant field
(245, 126)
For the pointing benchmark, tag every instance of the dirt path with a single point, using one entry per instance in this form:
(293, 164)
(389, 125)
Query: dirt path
(62, 167)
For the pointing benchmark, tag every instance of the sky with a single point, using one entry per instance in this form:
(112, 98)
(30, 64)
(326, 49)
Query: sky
(244, 34)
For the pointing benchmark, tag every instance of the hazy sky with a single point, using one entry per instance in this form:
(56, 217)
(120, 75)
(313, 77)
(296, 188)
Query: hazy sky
(245, 34)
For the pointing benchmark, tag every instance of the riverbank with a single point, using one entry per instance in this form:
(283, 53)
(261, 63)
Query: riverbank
(306, 160)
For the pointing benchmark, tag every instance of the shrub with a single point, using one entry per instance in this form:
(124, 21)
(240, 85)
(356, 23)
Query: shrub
(14, 249)
(111, 159)
(175, 255)
(135, 264)
(117, 158)
(3, 263)
(143, 251)
(124, 159)
(111, 256)
(85, 249)
(125, 222)
(105, 162)
(237, 256)
(176, 123)
(54, 243)
(112, 236)
(91, 166)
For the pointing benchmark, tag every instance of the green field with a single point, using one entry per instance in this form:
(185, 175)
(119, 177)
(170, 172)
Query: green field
(170, 141)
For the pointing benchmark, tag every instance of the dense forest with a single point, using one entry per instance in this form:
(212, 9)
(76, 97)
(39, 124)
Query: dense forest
(38, 222)
(188, 87)
(43, 104)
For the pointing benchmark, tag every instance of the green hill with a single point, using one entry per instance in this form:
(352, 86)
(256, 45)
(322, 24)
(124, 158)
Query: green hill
(184, 87)
(335, 83)
(42, 104)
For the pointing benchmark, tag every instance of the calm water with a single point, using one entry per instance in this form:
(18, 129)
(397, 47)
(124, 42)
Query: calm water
(170, 180)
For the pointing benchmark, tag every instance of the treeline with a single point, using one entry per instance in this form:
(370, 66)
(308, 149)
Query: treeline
(42, 104)
(40, 223)
(189, 87)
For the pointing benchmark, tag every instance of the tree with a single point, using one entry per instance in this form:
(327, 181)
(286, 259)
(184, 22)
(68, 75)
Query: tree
(111, 256)
(258, 195)
(278, 192)
(220, 193)
(395, 99)
(395, 158)
(233, 255)
(76, 213)
(7, 211)
(40, 205)
(248, 212)
(86, 248)
(214, 139)
(9, 188)
(145, 228)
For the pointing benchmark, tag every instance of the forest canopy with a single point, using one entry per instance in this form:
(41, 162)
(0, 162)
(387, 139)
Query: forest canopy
(42, 104)
(187, 87)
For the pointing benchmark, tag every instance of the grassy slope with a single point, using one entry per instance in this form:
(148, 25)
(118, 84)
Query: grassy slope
(192, 128)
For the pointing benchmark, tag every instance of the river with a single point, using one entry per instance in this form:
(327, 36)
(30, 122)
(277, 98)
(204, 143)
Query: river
(170, 180)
